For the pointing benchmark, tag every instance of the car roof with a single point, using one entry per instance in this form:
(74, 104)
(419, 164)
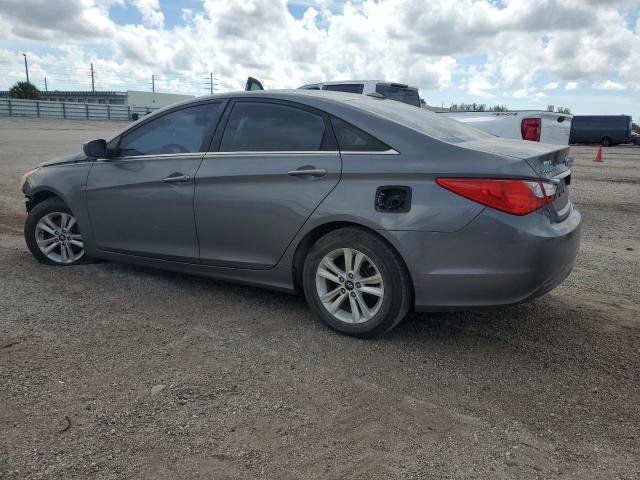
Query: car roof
(293, 95)
(342, 82)
(356, 82)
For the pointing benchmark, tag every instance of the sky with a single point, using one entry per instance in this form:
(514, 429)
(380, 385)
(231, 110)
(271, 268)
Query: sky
(526, 54)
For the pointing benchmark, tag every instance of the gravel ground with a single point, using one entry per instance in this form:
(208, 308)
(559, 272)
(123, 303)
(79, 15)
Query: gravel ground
(113, 371)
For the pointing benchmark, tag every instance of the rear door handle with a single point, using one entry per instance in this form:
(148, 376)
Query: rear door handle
(176, 178)
(314, 172)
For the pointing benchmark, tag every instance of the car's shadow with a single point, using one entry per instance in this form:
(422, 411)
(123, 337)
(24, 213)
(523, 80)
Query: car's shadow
(537, 319)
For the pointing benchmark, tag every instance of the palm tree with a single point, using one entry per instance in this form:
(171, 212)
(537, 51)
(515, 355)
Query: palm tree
(24, 90)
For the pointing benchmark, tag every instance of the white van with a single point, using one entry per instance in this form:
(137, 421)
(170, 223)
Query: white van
(393, 91)
(535, 125)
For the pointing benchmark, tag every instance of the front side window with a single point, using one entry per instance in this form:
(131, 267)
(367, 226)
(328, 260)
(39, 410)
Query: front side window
(181, 131)
(346, 87)
(270, 127)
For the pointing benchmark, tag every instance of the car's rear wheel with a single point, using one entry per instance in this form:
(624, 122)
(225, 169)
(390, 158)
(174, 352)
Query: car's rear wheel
(356, 283)
(53, 235)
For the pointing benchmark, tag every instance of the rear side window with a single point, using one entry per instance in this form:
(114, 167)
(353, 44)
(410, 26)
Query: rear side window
(400, 94)
(181, 131)
(347, 87)
(351, 138)
(270, 127)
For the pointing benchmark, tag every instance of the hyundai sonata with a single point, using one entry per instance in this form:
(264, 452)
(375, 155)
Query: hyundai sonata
(370, 207)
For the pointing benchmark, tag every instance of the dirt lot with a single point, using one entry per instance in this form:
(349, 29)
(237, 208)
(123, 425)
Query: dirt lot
(253, 386)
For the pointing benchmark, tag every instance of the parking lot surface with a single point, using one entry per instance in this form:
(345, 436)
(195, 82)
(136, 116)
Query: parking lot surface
(113, 371)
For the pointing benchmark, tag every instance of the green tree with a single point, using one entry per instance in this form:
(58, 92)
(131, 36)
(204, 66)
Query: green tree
(477, 107)
(635, 127)
(565, 110)
(24, 90)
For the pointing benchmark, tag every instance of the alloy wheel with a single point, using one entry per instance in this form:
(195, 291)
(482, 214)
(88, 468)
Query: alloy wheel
(349, 285)
(58, 237)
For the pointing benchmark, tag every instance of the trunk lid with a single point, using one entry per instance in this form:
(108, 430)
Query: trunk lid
(549, 162)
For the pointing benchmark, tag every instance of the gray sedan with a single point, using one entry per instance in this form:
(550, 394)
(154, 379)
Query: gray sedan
(370, 207)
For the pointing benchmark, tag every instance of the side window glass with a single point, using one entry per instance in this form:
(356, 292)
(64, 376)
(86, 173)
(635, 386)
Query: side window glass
(270, 127)
(182, 131)
(350, 88)
(353, 139)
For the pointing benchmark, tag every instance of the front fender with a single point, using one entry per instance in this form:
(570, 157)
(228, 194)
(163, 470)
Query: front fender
(66, 181)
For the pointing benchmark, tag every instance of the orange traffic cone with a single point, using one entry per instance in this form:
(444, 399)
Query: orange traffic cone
(598, 155)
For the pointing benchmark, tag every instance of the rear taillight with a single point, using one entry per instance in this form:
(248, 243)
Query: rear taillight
(530, 128)
(517, 197)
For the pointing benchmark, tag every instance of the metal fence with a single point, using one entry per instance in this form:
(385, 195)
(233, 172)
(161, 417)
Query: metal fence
(11, 107)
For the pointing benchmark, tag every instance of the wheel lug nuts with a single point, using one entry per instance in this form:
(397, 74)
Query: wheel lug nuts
(57, 232)
(342, 290)
(341, 279)
(358, 285)
(56, 240)
(353, 294)
(351, 275)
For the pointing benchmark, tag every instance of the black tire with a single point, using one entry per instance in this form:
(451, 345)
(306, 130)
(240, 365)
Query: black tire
(398, 291)
(606, 142)
(51, 205)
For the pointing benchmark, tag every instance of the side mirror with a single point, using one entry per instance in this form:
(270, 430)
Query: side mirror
(95, 148)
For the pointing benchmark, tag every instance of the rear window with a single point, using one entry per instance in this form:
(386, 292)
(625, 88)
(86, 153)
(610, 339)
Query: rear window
(421, 120)
(399, 94)
(346, 87)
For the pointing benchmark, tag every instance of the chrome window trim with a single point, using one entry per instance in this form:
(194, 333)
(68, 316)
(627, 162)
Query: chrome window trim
(306, 152)
(250, 153)
(273, 153)
(391, 151)
(159, 155)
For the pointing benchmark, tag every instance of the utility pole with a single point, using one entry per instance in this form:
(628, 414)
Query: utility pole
(153, 83)
(26, 66)
(93, 83)
(210, 83)
(45, 85)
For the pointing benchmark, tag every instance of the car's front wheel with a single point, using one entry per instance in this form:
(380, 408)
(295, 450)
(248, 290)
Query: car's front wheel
(356, 283)
(53, 235)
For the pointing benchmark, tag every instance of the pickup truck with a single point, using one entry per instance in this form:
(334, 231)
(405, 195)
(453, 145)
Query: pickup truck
(534, 125)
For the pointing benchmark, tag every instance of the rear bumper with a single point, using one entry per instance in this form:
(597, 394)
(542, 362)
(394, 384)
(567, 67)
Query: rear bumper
(498, 259)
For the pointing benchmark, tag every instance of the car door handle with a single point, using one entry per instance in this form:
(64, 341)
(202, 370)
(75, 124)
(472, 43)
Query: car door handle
(176, 178)
(314, 172)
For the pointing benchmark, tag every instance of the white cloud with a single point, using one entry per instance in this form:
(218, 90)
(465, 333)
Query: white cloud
(150, 11)
(609, 85)
(571, 86)
(424, 43)
(530, 93)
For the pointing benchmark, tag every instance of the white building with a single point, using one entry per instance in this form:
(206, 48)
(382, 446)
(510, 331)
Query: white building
(132, 98)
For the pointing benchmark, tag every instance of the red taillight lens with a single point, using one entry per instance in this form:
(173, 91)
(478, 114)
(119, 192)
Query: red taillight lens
(531, 129)
(518, 197)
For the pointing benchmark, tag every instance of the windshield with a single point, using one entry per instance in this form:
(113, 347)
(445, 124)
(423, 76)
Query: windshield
(424, 121)
(400, 94)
